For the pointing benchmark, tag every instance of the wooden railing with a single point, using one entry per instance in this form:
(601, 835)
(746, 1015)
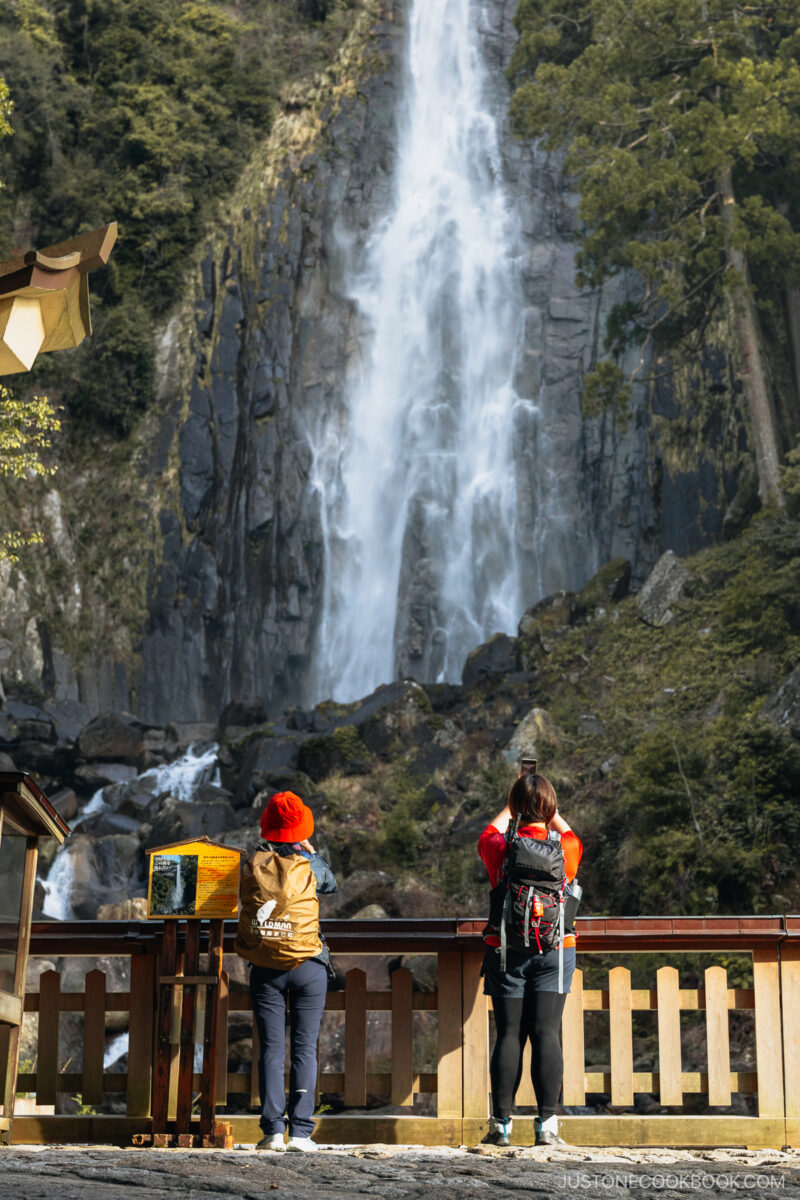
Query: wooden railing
(460, 1079)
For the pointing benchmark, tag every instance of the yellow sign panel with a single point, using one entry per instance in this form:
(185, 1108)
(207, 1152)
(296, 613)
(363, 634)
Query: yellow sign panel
(193, 879)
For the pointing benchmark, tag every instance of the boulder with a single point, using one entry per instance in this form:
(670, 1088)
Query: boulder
(183, 734)
(542, 625)
(535, 728)
(115, 737)
(65, 802)
(43, 758)
(498, 656)
(133, 909)
(662, 588)
(782, 708)
(242, 712)
(104, 823)
(176, 819)
(99, 774)
(6, 762)
(608, 586)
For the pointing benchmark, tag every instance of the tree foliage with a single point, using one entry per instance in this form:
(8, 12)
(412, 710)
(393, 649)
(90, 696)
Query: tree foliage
(144, 112)
(654, 100)
(26, 427)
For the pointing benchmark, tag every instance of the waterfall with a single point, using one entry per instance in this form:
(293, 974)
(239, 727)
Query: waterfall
(422, 474)
(176, 900)
(180, 779)
(58, 886)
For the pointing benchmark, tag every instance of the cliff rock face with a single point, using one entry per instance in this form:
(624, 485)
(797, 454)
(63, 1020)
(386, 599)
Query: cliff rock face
(263, 345)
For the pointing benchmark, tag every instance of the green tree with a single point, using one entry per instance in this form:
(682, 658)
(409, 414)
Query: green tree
(25, 431)
(681, 122)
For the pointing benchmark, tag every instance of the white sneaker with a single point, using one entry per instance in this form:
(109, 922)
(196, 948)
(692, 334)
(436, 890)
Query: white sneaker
(303, 1144)
(271, 1141)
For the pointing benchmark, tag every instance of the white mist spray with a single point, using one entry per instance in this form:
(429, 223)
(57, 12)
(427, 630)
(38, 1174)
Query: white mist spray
(420, 474)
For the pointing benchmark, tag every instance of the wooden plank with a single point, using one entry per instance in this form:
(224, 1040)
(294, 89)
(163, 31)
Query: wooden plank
(355, 1039)
(573, 1044)
(691, 1081)
(669, 1036)
(717, 1036)
(47, 1051)
(790, 997)
(163, 1049)
(357, 1130)
(620, 1035)
(450, 1070)
(769, 1047)
(183, 1113)
(141, 1036)
(208, 1093)
(475, 1019)
(94, 1036)
(176, 1016)
(10, 1008)
(222, 1041)
(402, 1037)
(8, 1090)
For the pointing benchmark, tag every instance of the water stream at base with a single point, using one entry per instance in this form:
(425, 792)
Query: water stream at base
(426, 472)
(178, 779)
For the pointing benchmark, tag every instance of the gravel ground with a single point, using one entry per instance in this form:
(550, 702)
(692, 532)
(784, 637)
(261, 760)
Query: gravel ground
(345, 1173)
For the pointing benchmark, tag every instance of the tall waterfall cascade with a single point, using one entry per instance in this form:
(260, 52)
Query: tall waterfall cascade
(434, 462)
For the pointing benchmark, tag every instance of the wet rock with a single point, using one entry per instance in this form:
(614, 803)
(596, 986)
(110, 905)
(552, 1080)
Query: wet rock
(176, 819)
(242, 713)
(117, 737)
(104, 823)
(499, 656)
(782, 708)
(65, 802)
(99, 774)
(184, 734)
(662, 588)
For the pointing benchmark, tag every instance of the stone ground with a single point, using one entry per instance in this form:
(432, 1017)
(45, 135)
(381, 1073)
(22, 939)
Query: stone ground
(346, 1173)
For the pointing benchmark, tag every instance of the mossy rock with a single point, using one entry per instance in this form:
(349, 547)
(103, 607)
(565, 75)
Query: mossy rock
(543, 625)
(610, 585)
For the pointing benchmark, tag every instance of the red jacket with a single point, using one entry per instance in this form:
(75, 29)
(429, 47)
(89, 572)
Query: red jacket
(492, 849)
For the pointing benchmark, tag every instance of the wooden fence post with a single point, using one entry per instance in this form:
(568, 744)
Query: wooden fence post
(141, 1030)
(449, 1097)
(402, 1037)
(475, 1018)
(769, 1050)
(94, 1036)
(355, 1038)
(718, 1054)
(790, 995)
(573, 1044)
(47, 1066)
(620, 1022)
(669, 1036)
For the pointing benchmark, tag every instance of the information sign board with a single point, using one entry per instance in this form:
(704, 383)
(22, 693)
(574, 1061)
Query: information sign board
(197, 878)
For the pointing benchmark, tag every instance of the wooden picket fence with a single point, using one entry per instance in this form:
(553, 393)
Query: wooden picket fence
(460, 1081)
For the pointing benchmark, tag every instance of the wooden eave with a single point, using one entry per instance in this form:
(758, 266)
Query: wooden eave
(83, 253)
(28, 807)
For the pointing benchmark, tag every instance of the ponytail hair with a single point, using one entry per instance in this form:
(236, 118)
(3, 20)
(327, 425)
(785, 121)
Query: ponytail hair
(532, 799)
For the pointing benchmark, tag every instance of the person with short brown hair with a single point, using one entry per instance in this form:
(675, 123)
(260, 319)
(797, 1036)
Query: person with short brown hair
(528, 996)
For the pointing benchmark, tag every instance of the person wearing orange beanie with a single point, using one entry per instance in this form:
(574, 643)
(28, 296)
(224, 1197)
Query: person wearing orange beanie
(286, 827)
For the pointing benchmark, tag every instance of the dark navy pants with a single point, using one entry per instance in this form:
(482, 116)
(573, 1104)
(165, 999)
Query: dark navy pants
(305, 988)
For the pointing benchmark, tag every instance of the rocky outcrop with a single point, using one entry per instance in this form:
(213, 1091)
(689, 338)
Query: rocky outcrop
(661, 589)
(252, 366)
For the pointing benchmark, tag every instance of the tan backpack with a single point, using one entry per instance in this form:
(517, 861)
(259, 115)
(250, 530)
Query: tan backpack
(279, 911)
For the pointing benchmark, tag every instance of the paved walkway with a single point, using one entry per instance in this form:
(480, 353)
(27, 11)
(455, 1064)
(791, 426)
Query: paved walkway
(103, 1173)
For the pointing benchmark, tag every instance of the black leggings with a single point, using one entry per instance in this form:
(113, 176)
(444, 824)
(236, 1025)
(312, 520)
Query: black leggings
(536, 1016)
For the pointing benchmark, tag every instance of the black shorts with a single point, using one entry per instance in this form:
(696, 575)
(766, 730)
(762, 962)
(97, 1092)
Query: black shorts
(525, 972)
